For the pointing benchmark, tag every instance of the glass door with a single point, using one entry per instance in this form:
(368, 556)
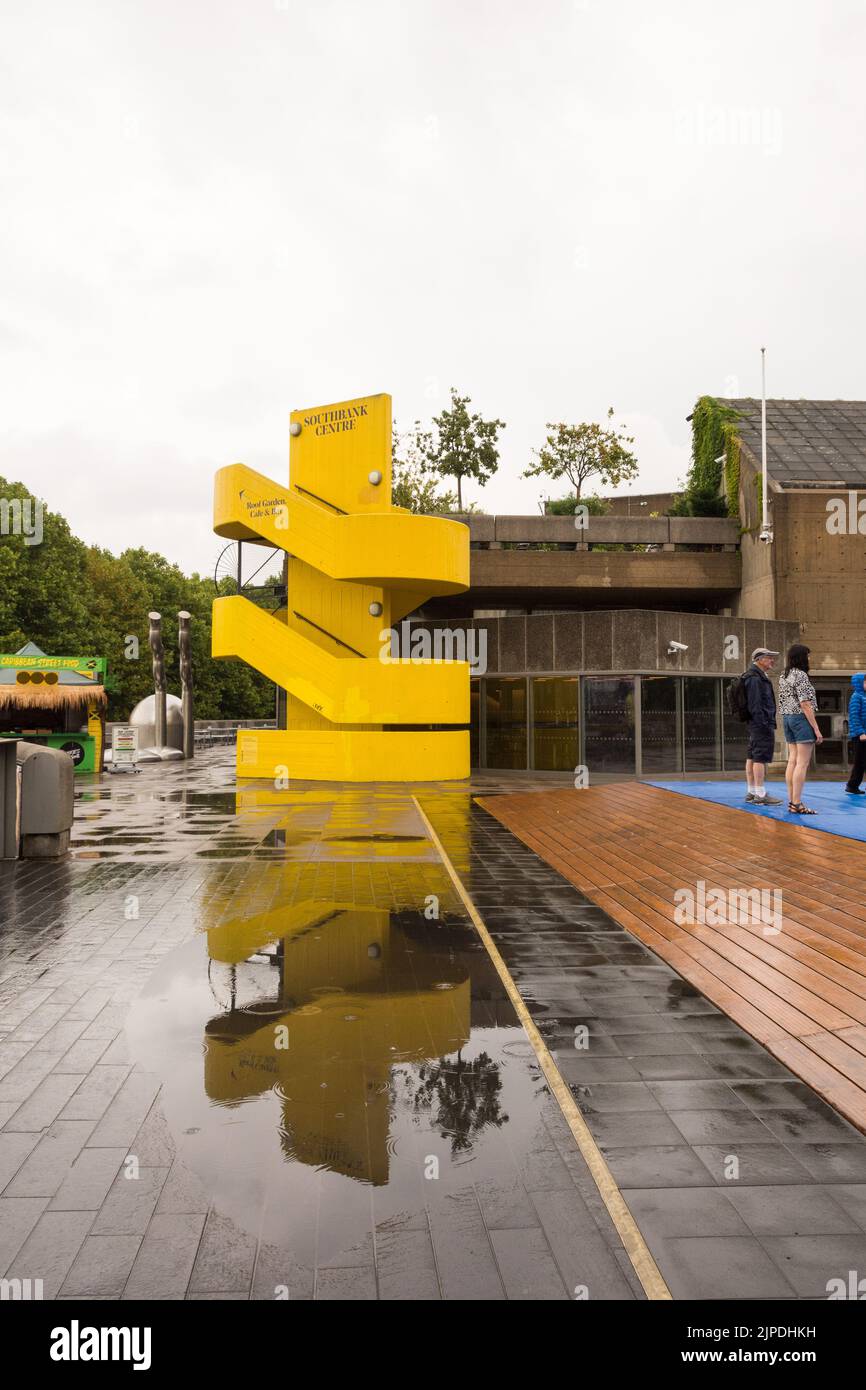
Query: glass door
(608, 725)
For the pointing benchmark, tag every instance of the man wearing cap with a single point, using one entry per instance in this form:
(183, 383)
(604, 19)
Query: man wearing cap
(762, 725)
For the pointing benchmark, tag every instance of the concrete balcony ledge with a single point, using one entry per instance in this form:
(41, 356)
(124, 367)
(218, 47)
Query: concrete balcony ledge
(682, 531)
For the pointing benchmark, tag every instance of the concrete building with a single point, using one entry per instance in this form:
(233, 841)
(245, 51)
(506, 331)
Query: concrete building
(578, 622)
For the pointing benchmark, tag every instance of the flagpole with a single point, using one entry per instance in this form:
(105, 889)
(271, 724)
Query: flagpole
(765, 525)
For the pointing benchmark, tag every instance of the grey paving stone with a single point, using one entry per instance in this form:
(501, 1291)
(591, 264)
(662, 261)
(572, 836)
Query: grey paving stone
(221, 1297)
(126, 1112)
(14, 1149)
(88, 1181)
(11, 1054)
(45, 1104)
(832, 1162)
(687, 1211)
(346, 1285)
(40, 1022)
(790, 1210)
(18, 1216)
(107, 1023)
(851, 1197)
(583, 1258)
(21, 1080)
(278, 1271)
(739, 1066)
(130, 1203)
(505, 1203)
(651, 1127)
(183, 1193)
(615, 1097)
(50, 1249)
(666, 1165)
(165, 1258)
(46, 1167)
(719, 1267)
(81, 1056)
(528, 1269)
(61, 1037)
(101, 1267)
(720, 1126)
(654, 1045)
(225, 1258)
(802, 1125)
(94, 1095)
(714, 1042)
(674, 1067)
(406, 1267)
(464, 1256)
(755, 1163)
(778, 1095)
(695, 1095)
(809, 1263)
(584, 1068)
(117, 1052)
(153, 1145)
(545, 1170)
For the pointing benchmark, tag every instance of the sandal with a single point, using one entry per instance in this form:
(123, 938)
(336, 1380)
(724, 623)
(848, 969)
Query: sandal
(796, 808)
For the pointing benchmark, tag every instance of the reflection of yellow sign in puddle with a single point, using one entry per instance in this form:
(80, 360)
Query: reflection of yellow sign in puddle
(353, 992)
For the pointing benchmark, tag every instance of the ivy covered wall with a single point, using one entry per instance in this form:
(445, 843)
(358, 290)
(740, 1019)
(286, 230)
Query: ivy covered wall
(715, 461)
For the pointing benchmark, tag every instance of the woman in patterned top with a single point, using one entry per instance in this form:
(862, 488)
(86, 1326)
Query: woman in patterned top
(797, 701)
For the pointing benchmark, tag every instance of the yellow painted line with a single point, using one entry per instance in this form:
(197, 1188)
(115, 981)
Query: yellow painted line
(636, 1247)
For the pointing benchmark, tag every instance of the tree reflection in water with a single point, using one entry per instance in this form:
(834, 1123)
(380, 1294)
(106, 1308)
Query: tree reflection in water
(460, 1097)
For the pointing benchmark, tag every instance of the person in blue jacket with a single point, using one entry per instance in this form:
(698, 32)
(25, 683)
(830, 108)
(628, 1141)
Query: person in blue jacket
(857, 735)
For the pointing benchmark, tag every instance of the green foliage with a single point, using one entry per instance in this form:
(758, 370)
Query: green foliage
(414, 482)
(464, 445)
(566, 506)
(74, 599)
(732, 472)
(579, 452)
(715, 457)
(698, 502)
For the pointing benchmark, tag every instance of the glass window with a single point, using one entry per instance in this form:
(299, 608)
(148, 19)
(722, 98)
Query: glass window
(505, 709)
(701, 724)
(660, 747)
(474, 728)
(554, 723)
(734, 732)
(608, 724)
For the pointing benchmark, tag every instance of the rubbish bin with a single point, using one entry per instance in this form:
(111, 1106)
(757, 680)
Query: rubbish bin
(9, 798)
(47, 800)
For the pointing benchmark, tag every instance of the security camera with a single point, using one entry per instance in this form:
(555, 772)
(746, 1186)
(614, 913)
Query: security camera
(674, 647)
(766, 536)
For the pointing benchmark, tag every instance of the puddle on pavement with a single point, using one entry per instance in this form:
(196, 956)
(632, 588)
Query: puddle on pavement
(321, 1060)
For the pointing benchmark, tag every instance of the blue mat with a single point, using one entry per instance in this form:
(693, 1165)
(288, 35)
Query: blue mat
(838, 813)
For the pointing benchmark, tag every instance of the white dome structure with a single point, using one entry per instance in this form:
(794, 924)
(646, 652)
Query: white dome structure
(142, 718)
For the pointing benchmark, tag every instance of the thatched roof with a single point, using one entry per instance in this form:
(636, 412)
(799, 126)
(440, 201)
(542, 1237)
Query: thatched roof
(45, 696)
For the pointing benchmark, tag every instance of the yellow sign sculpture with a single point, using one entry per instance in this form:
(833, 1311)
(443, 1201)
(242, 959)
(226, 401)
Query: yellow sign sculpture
(356, 565)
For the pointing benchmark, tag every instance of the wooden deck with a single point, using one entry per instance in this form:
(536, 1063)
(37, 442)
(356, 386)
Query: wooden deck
(802, 992)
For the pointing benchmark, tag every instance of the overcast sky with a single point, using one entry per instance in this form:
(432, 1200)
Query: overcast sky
(215, 211)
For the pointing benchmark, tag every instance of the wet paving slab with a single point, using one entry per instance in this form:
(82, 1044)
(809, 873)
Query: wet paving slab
(251, 1046)
(268, 1076)
(744, 1183)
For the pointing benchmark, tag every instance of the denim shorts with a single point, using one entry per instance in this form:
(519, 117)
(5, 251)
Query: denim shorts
(762, 739)
(798, 729)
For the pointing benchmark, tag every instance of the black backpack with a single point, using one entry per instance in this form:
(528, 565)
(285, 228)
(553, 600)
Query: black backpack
(738, 699)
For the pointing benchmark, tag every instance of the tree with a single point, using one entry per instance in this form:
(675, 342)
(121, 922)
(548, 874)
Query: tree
(464, 445)
(579, 452)
(72, 599)
(413, 480)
